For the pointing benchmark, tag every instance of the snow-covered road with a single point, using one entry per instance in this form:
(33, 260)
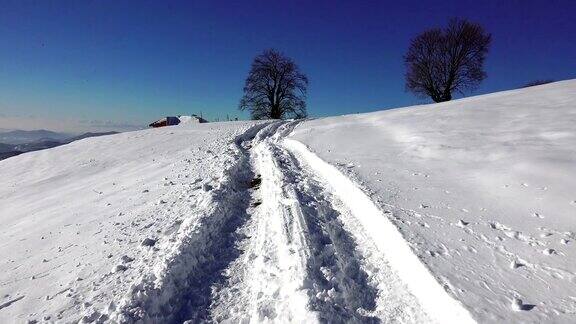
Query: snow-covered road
(277, 243)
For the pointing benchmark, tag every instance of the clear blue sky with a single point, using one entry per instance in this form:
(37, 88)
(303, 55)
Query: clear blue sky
(132, 61)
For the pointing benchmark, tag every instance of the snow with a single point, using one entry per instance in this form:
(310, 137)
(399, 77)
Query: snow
(186, 119)
(273, 267)
(439, 305)
(189, 119)
(451, 213)
(474, 185)
(73, 215)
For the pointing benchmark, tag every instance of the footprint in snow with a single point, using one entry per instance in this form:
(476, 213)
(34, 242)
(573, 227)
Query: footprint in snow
(148, 242)
(126, 259)
(462, 223)
(515, 264)
(498, 226)
(548, 251)
(119, 268)
(518, 305)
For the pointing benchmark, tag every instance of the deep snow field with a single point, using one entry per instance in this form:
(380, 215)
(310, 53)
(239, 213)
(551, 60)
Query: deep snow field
(451, 213)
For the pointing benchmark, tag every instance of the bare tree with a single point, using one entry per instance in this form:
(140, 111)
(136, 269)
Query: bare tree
(275, 88)
(440, 62)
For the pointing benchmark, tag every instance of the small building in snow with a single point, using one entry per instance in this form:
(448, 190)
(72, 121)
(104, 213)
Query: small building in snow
(171, 121)
(166, 121)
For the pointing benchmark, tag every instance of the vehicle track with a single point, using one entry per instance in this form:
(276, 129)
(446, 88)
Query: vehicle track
(192, 260)
(273, 243)
(299, 262)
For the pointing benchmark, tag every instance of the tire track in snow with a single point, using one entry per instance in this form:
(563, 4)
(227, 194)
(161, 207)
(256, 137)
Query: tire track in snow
(289, 250)
(382, 241)
(300, 262)
(178, 288)
(337, 287)
(266, 284)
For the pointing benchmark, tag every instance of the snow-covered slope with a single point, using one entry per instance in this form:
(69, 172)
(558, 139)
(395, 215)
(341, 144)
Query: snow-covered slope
(202, 222)
(73, 218)
(483, 189)
(444, 213)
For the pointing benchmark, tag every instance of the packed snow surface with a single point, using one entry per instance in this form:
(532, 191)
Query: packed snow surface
(483, 189)
(449, 213)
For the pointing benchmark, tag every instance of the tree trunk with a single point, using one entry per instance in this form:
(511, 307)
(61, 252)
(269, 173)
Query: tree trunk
(275, 112)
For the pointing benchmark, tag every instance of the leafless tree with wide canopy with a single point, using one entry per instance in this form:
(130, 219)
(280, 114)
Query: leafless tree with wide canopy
(442, 61)
(275, 88)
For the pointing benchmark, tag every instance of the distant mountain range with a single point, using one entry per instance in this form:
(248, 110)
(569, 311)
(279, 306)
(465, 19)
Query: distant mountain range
(16, 142)
(23, 136)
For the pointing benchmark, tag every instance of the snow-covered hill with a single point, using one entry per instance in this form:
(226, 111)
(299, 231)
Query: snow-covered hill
(445, 213)
(483, 188)
(74, 216)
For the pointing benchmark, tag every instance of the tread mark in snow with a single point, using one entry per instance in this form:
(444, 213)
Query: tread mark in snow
(179, 287)
(300, 263)
(12, 301)
(339, 287)
(277, 247)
